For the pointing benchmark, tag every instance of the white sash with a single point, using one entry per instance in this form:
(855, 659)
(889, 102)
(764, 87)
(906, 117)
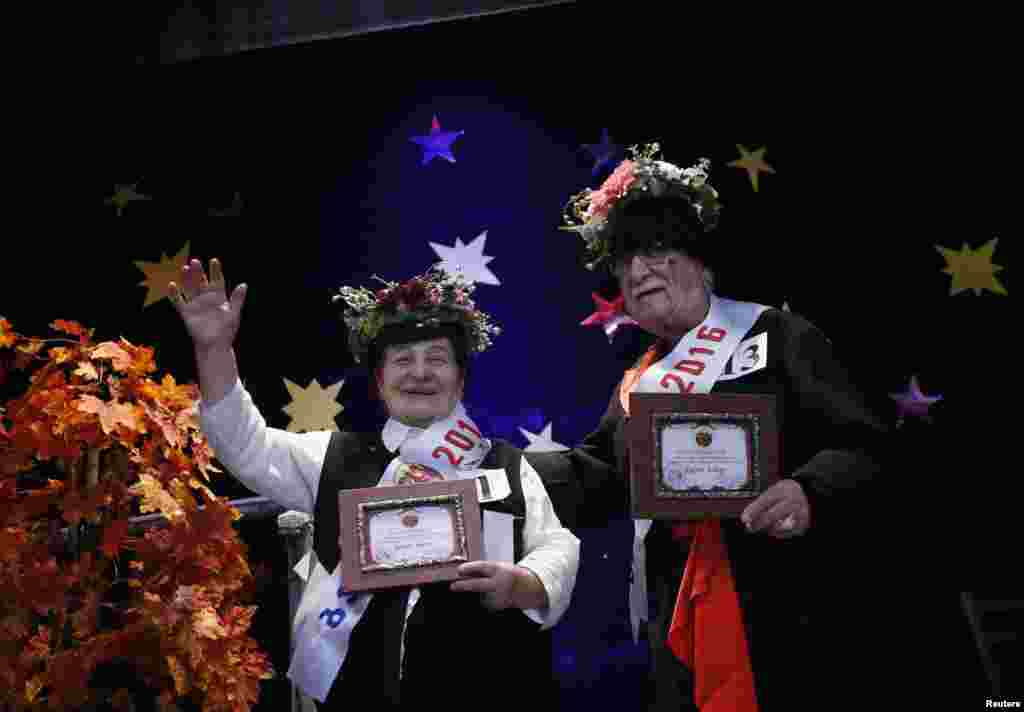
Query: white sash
(449, 449)
(454, 447)
(693, 366)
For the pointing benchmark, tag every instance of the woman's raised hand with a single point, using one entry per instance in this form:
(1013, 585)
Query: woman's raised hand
(212, 319)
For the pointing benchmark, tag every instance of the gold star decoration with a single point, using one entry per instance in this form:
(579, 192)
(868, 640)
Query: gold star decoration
(232, 210)
(753, 163)
(313, 408)
(972, 269)
(124, 194)
(160, 274)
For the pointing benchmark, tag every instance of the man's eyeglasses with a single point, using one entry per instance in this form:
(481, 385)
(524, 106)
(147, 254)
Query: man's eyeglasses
(653, 257)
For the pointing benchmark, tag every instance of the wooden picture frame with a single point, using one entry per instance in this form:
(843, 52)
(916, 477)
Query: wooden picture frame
(408, 535)
(693, 456)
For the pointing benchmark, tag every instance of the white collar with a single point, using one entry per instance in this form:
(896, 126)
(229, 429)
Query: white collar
(395, 433)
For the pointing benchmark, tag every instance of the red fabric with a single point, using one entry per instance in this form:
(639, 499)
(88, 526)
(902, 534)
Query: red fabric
(706, 632)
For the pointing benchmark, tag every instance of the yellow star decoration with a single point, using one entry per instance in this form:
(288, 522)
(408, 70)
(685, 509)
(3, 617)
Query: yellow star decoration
(124, 194)
(162, 273)
(313, 408)
(752, 162)
(972, 269)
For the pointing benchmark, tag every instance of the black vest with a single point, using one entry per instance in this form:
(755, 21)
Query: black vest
(453, 645)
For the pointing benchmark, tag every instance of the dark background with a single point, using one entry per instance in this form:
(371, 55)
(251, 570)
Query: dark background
(884, 152)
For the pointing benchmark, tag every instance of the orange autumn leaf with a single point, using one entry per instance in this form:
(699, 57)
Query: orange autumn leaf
(112, 414)
(87, 371)
(7, 335)
(168, 393)
(216, 517)
(165, 421)
(202, 456)
(187, 419)
(122, 360)
(68, 327)
(141, 358)
(192, 598)
(31, 346)
(155, 498)
(207, 624)
(239, 619)
(179, 673)
(144, 359)
(37, 647)
(12, 540)
(60, 354)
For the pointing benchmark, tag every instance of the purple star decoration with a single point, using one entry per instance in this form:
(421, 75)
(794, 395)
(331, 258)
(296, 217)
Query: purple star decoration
(437, 143)
(604, 153)
(914, 403)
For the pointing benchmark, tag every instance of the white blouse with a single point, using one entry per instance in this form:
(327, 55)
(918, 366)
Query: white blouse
(285, 467)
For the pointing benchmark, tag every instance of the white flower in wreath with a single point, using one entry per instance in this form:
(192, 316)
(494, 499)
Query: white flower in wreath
(670, 171)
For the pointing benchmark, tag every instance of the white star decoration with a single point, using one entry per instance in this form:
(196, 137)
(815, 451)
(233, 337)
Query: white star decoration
(313, 408)
(467, 259)
(542, 442)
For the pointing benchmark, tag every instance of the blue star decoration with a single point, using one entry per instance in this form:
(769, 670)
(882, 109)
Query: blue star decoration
(437, 143)
(605, 154)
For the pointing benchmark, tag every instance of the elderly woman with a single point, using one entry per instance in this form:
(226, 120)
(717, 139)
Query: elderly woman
(400, 647)
(725, 629)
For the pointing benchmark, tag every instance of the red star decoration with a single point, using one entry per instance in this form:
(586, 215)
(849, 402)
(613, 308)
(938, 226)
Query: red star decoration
(610, 315)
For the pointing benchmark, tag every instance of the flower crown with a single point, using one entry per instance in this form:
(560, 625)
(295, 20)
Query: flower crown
(586, 212)
(430, 299)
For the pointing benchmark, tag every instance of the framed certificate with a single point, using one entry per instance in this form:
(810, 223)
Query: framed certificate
(699, 455)
(408, 535)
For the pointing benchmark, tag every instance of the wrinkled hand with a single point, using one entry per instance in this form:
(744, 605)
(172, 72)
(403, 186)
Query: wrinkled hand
(503, 585)
(782, 511)
(211, 318)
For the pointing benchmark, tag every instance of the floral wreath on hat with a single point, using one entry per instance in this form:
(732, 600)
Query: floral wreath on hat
(427, 300)
(586, 213)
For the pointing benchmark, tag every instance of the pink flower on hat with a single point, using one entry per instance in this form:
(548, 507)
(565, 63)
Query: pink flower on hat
(602, 199)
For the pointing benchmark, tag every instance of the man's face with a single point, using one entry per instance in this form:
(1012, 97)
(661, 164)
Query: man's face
(659, 285)
(420, 382)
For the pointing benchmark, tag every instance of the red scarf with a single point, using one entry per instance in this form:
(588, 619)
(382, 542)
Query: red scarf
(706, 632)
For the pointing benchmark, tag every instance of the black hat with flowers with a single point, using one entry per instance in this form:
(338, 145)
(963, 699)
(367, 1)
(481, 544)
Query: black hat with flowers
(646, 204)
(424, 307)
